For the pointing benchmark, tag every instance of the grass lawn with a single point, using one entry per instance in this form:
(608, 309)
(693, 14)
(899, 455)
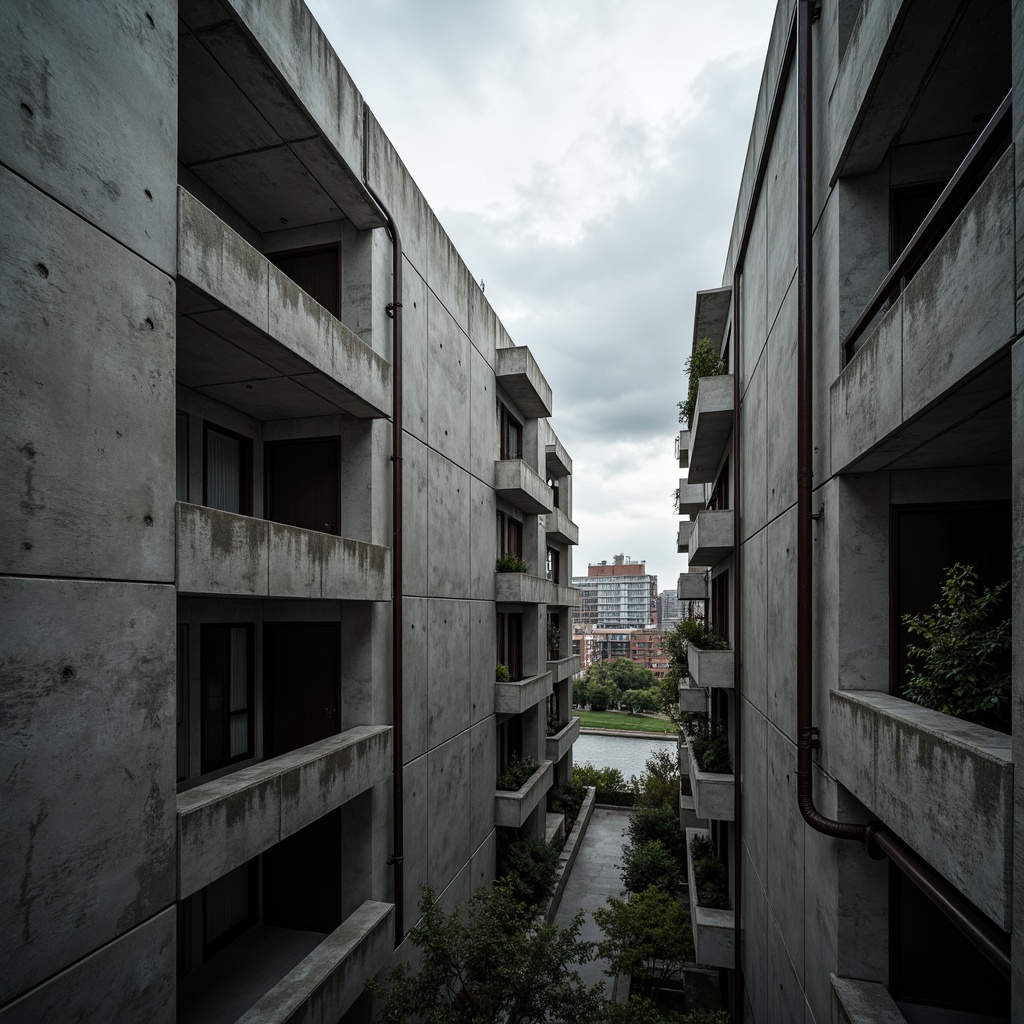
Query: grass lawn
(623, 720)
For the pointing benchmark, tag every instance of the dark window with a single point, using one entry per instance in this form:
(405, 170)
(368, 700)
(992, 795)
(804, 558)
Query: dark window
(720, 604)
(510, 434)
(181, 457)
(230, 906)
(553, 484)
(908, 208)
(510, 643)
(182, 701)
(227, 478)
(304, 483)
(226, 663)
(553, 565)
(510, 741)
(316, 271)
(720, 495)
(510, 535)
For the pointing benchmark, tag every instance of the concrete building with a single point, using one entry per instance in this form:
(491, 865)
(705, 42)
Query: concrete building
(621, 595)
(222, 791)
(671, 610)
(867, 435)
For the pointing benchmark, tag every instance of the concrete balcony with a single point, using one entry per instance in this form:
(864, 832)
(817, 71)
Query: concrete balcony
(557, 462)
(564, 668)
(223, 553)
(683, 537)
(711, 428)
(224, 823)
(862, 1002)
(511, 809)
(683, 752)
(692, 586)
(683, 448)
(515, 698)
(522, 487)
(928, 776)
(560, 528)
(714, 931)
(518, 375)
(928, 384)
(557, 746)
(328, 981)
(691, 499)
(692, 699)
(712, 792)
(524, 588)
(711, 668)
(248, 336)
(711, 539)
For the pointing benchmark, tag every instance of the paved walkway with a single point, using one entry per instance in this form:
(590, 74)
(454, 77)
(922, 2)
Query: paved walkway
(595, 877)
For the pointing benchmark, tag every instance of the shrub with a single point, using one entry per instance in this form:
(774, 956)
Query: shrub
(567, 799)
(650, 864)
(704, 362)
(709, 745)
(647, 824)
(527, 866)
(709, 875)
(615, 798)
(511, 563)
(639, 702)
(557, 726)
(962, 666)
(658, 786)
(516, 773)
(587, 774)
(501, 673)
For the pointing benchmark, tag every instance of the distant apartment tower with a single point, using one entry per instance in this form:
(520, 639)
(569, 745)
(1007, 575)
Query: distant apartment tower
(620, 595)
(671, 610)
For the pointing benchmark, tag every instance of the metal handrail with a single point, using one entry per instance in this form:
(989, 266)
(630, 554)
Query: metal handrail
(949, 205)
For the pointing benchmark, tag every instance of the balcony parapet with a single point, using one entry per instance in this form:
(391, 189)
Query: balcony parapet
(519, 376)
(224, 553)
(924, 774)
(561, 528)
(714, 931)
(712, 792)
(515, 698)
(256, 341)
(711, 540)
(522, 487)
(692, 698)
(525, 588)
(683, 536)
(557, 746)
(511, 809)
(863, 1002)
(564, 668)
(711, 428)
(328, 981)
(683, 448)
(691, 499)
(692, 586)
(557, 462)
(226, 822)
(711, 668)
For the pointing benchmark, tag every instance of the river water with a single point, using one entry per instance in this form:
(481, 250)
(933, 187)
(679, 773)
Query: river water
(627, 753)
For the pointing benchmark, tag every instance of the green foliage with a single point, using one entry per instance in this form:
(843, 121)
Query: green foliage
(962, 665)
(601, 697)
(621, 674)
(709, 744)
(615, 797)
(709, 875)
(647, 935)
(567, 799)
(516, 773)
(501, 673)
(511, 563)
(704, 362)
(647, 824)
(705, 1017)
(555, 726)
(587, 774)
(639, 702)
(667, 696)
(489, 962)
(647, 864)
(554, 639)
(675, 643)
(527, 867)
(638, 1010)
(658, 785)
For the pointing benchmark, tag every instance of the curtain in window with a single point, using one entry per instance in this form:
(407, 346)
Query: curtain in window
(227, 903)
(223, 471)
(239, 691)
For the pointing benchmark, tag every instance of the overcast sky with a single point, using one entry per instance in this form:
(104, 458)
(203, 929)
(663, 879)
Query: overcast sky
(584, 156)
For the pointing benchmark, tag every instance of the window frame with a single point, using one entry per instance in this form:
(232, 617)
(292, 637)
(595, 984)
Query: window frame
(207, 766)
(245, 457)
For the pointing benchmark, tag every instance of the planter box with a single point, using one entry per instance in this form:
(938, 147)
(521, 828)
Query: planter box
(713, 930)
(557, 746)
(943, 785)
(525, 588)
(683, 448)
(711, 668)
(691, 499)
(711, 539)
(515, 698)
(711, 429)
(683, 537)
(564, 668)
(712, 792)
(692, 699)
(692, 586)
(511, 809)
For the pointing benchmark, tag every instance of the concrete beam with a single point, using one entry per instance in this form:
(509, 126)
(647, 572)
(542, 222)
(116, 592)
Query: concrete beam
(711, 428)
(943, 785)
(522, 487)
(518, 375)
(226, 822)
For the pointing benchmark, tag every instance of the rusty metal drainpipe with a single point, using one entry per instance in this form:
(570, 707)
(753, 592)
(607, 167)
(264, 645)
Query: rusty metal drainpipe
(394, 311)
(879, 841)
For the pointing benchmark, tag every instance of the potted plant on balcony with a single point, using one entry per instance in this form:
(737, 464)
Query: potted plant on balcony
(554, 643)
(517, 773)
(509, 562)
(705, 362)
(501, 673)
(962, 666)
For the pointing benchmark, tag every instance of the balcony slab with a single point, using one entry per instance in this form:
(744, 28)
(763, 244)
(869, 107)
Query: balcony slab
(564, 668)
(515, 698)
(522, 487)
(519, 376)
(560, 528)
(692, 499)
(711, 428)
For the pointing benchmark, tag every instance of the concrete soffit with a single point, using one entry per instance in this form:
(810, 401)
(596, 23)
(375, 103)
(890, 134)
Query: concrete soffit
(711, 315)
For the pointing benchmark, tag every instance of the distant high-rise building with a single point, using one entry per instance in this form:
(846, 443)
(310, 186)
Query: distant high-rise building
(671, 611)
(619, 595)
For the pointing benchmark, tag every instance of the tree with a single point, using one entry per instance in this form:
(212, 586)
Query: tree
(601, 697)
(649, 823)
(588, 774)
(488, 962)
(527, 866)
(625, 674)
(648, 935)
(666, 695)
(650, 863)
(638, 702)
(658, 785)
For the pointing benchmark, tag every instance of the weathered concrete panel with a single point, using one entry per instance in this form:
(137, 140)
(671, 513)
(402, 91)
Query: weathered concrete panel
(519, 376)
(91, 116)
(482, 761)
(780, 398)
(415, 356)
(754, 621)
(862, 1002)
(87, 396)
(780, 202)
(96, 662)
(449, 781)
(220, 552)
(448, 519)
(780, 682)
(448, 687)
(482, 659)
(753, 783)
(416, 542)
(754, 450)
(448, 384)
(446, 273)
(943, 785)
(414, 656)
(333, 976)
(419, 824)
(131, 978)
(483, 435)
(481, 540)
